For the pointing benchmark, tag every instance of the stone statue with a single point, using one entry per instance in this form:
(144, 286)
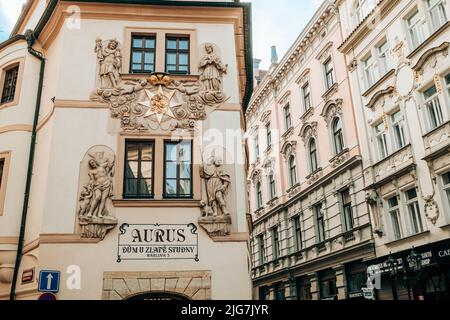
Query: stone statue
(98, 173)
(372, 204)
(110, 61)
(217, 185)
(216, 218)
(211, 69)
(211, 74)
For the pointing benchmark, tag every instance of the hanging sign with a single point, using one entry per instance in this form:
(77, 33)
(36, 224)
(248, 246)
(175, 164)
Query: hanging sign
(157, 242)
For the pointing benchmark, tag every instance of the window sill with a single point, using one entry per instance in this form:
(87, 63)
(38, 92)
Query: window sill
(178, 77)
(330, 90)
(288, 132)
(307, 114)
(150, 203)
(407, 238)
(8, 104)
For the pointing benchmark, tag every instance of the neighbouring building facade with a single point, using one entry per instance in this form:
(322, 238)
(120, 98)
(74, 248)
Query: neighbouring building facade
(131, 191)
(397, 57)
(311, 225)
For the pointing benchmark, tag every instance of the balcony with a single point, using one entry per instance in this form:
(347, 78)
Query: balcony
(437, 141)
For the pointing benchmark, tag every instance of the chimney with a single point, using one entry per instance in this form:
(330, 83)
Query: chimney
(273, 55)
(256, 73)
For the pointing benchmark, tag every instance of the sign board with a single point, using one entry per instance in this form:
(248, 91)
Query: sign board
(49, 281)
(47, 297)
(28, 275)
(157, 242)
(367, 293)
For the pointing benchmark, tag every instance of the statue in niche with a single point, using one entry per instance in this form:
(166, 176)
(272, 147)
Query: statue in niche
(217, 187)
(216, 218)
(372, 200)
(211, 74)
(93, 214)
(110, 61)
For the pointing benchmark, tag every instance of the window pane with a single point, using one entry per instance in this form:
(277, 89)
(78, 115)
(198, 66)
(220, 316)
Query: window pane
(171, 58)
(430, 92)
(144, 189)
(183, 59)
(185, 171)
(146, 169)
(171, 44)
(150, 43)
(171, 186)
(411, 194)
(185, 151)
(171, 170)
(171, 151)
(184, 44)
(149, 57)
(171, 68)
(136, 67)
(131, 170)
(131, 187)
(147, 152)
(2, 164)
(447, 79)
(137, 42)
(393, 202)
(185, 187)
(132, 152)
(148, 67)
(446, 178)
(137, 57)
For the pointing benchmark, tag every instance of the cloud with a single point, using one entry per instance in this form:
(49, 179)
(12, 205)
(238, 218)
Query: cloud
(9, 13)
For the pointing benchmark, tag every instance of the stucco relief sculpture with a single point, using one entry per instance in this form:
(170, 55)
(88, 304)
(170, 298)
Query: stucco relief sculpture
(158, 102)
(431, 209)
(96, 182)
(372, 201)
(216, 218)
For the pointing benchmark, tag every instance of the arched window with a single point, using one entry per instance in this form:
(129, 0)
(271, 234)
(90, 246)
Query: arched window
(338, 138)
(313, 155)
(259, 201)
(292, 171)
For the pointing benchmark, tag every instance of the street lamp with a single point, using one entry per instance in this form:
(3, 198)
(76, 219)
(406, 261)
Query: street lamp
(414, 261)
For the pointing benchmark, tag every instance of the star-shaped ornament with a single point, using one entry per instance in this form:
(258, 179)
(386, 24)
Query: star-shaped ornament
(159, 104)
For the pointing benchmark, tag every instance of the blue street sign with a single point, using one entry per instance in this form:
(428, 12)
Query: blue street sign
(49, 281)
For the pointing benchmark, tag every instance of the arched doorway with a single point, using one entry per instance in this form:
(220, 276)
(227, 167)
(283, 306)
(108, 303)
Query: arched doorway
(155, 295)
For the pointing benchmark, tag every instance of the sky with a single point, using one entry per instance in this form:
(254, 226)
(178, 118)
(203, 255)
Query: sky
(275, 22)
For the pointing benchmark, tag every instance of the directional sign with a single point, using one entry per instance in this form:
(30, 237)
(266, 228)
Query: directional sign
(49, 281)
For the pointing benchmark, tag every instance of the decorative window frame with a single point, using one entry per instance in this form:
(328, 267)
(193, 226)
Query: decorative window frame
(160, 49)
(6, 155)
(158, 199)
(3, 69)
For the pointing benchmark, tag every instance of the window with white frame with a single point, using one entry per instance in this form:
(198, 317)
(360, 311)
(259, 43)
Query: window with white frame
(381, 137)
(412, 204)
(433, 107)
(383, 58)
(394, 216)
(268, 134)
(338, 137)
(306, 92)
(397, 123)
(256, 144)
(363, 8)
(272, 187)
(287, 117)
(446, 184)
(292, 171)
(346, 202)
(436, 12)
(369, 71)
(313, 163)
(329, 72)
(415, 30)
(320, 220)
(259, 200)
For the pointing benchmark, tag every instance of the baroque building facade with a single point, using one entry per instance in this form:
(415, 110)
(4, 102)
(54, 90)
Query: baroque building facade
(397, 56)
(127, 194)
(311, 226)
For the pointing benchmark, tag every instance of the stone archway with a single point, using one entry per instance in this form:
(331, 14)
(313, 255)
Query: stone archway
(173, 285)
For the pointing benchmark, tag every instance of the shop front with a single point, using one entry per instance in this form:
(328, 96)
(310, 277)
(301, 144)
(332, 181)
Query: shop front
(421, 273)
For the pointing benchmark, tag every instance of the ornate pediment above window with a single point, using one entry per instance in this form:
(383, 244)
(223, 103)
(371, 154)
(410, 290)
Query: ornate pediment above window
(159, 102)
(255, 176)
(325, 53)
(304, 77)
(288, 149)
(308, 131)
(431, 57)
(381, 96)
(265, 116)
(269, 165)
(285, 98)
(253, 130)
(331, 110)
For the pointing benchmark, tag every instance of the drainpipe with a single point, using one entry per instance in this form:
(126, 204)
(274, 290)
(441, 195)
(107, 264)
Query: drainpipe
(30, 37)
